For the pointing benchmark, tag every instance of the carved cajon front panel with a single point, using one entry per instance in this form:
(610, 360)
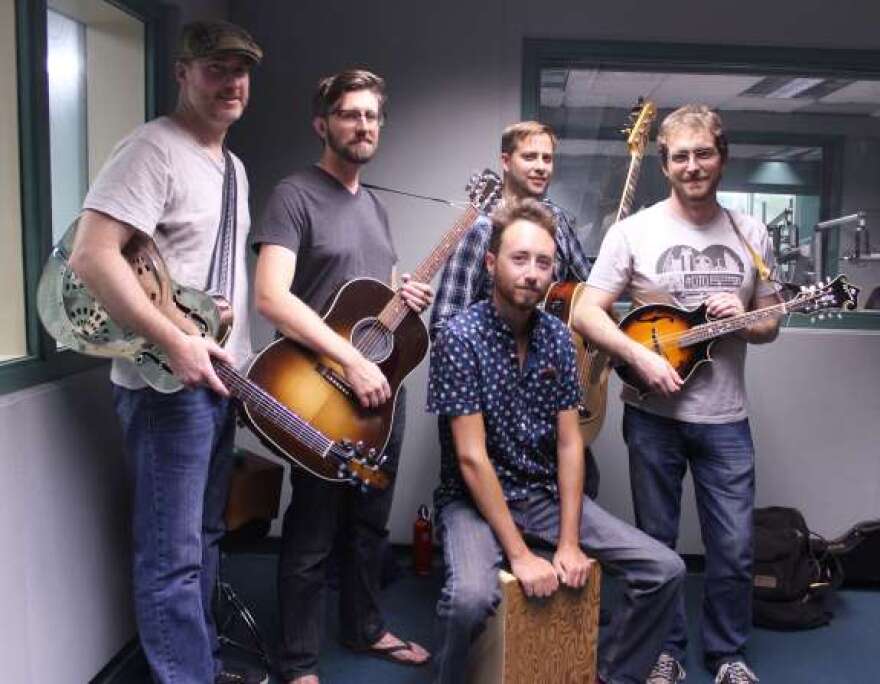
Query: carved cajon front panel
(547, 641)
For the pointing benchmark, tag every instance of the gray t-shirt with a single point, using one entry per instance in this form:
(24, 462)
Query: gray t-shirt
(335, 234)
(160, 181)
(657, 256)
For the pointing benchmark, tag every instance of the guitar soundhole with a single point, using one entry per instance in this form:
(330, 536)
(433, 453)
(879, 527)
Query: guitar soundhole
(372, 339)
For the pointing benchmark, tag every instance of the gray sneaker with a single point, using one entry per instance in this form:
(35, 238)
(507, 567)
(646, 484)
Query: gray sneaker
(667, 670)
(735, 672)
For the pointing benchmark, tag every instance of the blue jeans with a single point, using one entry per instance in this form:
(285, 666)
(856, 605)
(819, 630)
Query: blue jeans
(722, 462)
(179, 449)
(653, 575)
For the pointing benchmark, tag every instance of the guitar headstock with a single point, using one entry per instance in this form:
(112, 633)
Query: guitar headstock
(359, 464)
(639, 127)
(484, 190)
(833, 294)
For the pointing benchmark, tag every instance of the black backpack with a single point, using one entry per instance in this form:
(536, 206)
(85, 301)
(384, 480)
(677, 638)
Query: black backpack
(794, 575)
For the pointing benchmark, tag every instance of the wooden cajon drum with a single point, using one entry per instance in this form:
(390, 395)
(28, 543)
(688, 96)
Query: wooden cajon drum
(548, 641)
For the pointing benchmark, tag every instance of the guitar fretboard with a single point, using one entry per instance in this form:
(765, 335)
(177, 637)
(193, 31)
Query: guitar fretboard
(396, 309)
(629, 189)
(264, 404)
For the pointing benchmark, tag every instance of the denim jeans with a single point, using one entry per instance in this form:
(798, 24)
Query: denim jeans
(322, 515)
(722, 462)
(652, 573)
(179, 451)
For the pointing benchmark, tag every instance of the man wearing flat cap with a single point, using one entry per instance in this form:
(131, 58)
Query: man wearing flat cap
(174, 180)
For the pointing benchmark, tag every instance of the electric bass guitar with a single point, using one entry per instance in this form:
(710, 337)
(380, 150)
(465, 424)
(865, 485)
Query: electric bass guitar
(685, 337)
(77, 320)
(593, 364)
(376, 321)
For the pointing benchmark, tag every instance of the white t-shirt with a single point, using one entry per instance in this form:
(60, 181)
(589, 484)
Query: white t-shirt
(657, 256)
(159, 180)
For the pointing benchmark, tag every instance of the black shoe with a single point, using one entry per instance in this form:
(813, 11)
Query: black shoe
(241, 675)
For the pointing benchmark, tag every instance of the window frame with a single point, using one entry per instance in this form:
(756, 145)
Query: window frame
(44, 361)
(540, 53)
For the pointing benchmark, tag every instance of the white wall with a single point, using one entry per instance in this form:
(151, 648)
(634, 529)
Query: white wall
(454, 71)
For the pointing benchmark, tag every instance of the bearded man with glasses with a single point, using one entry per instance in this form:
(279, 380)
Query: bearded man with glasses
(321, 228)
(684, 251)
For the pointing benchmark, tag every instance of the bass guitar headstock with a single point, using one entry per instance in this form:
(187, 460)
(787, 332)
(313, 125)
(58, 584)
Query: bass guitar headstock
(832, 294)
(484, 190)
(639, 127)
(360, 465)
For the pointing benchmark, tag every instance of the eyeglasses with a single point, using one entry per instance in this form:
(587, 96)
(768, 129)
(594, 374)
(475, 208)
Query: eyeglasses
(354, 116)
(700, 154)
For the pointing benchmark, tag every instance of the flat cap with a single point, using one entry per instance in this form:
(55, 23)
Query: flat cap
(210, 38)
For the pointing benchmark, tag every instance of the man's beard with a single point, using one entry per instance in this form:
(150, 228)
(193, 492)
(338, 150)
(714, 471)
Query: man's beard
(522, 190)
(349, 153)
(508, 292)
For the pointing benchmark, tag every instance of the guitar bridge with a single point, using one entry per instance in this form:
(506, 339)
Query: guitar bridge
(335, 380)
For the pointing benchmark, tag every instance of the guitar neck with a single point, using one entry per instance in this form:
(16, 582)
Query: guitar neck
(264, 404)
(726, 326)
(396, 309)
(629, 188)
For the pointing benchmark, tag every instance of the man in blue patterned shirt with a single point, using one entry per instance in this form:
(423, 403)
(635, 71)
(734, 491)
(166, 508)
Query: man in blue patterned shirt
(528, 149)
(503, 374)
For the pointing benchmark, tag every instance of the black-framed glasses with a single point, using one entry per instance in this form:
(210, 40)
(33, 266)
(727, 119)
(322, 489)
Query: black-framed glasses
(354, 116)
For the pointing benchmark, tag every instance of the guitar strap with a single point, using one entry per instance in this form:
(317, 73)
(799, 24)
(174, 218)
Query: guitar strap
(760, 266)
(221, 277)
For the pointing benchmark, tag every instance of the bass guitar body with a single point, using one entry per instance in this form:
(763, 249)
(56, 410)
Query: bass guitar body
(592, 364)
(315, 388)
(659, 327)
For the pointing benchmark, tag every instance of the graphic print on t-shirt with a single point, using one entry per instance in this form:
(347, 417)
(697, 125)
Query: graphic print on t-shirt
(691, 274)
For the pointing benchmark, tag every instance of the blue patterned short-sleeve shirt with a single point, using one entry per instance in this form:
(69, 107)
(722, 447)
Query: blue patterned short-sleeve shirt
(475, 369)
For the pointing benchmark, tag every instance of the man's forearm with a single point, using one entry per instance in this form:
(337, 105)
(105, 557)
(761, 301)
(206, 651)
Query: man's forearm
(485, 489)
(593, 323)
(570, 479)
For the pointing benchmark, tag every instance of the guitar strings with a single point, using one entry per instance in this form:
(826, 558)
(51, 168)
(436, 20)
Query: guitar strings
(395, 312)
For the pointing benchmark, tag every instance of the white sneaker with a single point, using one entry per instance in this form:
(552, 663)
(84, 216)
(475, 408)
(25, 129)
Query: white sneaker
(735, 672)
(667, 670)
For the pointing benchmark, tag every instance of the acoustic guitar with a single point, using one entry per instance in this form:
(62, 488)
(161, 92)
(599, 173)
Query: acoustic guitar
(593, 364)
(377, 322)
(685, 337)
(77, 320)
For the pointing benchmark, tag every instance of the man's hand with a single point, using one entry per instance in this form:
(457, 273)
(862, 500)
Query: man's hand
(190, 360)
(537, 576)
(658, 374)
(366, 380)
(571, 564)
(417, 295)
(724, 305)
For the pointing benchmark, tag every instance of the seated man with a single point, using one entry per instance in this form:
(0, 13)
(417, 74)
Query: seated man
(513, 468)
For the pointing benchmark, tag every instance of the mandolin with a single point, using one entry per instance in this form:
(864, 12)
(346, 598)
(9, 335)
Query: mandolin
(685, 337)
(376, 321)
(77, 320)
(593, 364)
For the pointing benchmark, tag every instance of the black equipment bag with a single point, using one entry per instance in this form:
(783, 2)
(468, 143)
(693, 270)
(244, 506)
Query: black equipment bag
(794, 575)
(858, 552)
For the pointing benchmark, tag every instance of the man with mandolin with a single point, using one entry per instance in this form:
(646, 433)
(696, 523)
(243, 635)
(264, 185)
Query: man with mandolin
(503, 373)
(321, 228)
(679, 254)
(173, 179)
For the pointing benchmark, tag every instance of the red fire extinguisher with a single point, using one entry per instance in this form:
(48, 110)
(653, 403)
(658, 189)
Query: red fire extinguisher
(423, 546)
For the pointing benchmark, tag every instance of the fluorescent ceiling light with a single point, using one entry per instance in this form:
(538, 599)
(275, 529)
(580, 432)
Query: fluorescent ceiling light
(794, 87)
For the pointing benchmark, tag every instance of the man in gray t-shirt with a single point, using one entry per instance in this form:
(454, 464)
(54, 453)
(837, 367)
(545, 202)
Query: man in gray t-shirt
(684, 251)
(320, 229)
(166, 180)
